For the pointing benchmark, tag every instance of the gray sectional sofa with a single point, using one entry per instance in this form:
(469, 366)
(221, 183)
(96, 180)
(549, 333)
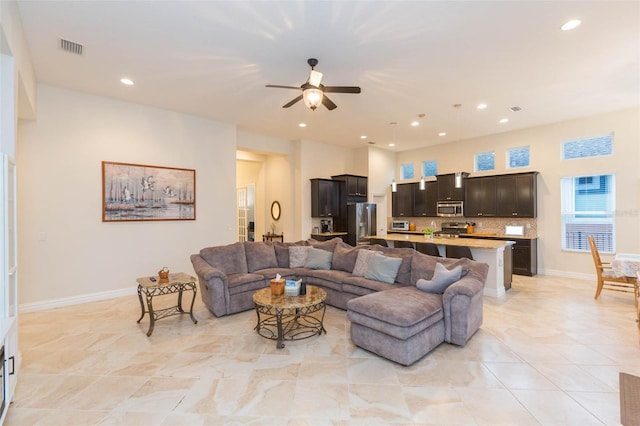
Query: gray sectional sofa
(393, 319)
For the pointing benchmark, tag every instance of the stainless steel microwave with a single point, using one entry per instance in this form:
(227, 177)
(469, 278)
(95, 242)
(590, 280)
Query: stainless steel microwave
(399, 225)
(450, 208)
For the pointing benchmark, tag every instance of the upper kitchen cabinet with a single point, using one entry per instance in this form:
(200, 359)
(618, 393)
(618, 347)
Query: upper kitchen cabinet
(355, 187)
(402, 201)
(481, 197)
(324, 197)
(425, 200)
(447, 190)
(517, 194)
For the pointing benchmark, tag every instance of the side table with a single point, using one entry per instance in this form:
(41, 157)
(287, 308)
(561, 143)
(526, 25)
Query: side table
(273, 237)
(153, 286)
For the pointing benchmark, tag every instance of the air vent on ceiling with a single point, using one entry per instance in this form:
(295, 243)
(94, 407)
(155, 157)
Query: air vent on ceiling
(71, 47)
(515, 108)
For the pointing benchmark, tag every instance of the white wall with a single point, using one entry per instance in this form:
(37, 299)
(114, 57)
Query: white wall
(65, 249)
(545, 148)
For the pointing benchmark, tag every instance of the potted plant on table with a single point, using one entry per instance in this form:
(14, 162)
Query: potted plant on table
(428, 232)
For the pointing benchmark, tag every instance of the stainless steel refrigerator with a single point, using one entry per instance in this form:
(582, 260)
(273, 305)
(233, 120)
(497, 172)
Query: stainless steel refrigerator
(361, 222)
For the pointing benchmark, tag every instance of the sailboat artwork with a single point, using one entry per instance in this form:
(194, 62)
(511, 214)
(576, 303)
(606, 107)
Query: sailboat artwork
(135, 192)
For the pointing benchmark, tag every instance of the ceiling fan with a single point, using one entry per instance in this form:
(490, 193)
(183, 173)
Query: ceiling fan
(313, 92)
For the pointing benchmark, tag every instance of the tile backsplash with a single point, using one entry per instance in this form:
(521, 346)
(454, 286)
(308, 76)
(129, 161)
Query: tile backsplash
(482, 225)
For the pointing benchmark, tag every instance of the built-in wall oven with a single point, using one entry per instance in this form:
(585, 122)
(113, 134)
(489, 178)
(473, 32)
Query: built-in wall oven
(450, 208)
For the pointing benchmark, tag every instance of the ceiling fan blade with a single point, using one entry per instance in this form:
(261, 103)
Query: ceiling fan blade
(282, 87)
(287, 105)
(328, 103)
(341, 89)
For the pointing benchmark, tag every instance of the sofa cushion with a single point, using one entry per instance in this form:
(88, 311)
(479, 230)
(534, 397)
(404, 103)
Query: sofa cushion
(406, 254)
(345, 256)
(240, 283)
(362, 262)
(328, 245)
(327, 278)
(282, 251)
(318, 259)
(422, 266)
(260, 255)
(383, 268)
(442, 278)
(230, 259)
(362, 286)
(399, 312)
(298, 256)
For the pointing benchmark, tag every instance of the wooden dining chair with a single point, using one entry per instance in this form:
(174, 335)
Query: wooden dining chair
(606, 278)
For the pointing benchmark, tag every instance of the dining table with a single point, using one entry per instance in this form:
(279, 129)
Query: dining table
(626, 265)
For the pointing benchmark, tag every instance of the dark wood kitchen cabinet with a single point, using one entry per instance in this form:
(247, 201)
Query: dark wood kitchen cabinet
(425, 200)
(480, 197)
(402, 201)
(525, 256)
(324, 198)
(517, 194)
(447, 190)
(355, 187)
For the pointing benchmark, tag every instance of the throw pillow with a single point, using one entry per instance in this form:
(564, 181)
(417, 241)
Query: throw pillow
(362, 262)
(383, 268)
(442, 279)
(345, 256)
(298, 256)
(318, 259)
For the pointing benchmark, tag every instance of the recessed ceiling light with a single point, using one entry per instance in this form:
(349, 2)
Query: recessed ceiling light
(126, 81)
(504, 120)
(392, 144)
(569, 25)
(442, 134)
(481, 106)
(415, 123)
(363, 137)
(302, 125)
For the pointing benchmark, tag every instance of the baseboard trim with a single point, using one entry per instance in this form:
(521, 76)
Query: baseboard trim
(75, 300)
(567, 274)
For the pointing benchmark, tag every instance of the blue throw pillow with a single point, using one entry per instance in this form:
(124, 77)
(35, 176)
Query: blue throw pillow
(318, 259)
(383, 268)
(441, 280)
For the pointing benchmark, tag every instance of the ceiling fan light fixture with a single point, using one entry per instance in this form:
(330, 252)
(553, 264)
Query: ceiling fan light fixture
(315, 78)
(312, 98)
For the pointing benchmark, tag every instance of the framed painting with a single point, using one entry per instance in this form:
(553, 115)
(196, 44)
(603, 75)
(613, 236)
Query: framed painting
(135, 192)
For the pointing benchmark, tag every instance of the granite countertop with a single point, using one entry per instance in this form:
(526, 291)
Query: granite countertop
(328, 234)
(490, 235)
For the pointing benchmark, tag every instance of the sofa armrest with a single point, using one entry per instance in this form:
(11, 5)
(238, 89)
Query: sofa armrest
(213, 283)
(462, 304)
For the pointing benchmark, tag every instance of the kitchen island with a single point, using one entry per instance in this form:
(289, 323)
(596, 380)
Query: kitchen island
(491, 252)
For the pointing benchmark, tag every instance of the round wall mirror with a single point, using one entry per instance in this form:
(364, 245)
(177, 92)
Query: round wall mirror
(275, 210)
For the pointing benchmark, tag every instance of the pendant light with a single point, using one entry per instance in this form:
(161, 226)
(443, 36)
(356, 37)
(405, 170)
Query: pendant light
(394, 186)
(422, 183)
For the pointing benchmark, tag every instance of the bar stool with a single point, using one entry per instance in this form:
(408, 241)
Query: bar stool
(428, 248)
(458, 252)
(403, 244)
(379, 241)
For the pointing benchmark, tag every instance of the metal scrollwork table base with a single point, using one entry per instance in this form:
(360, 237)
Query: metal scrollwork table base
(176, 283)
(283, 317)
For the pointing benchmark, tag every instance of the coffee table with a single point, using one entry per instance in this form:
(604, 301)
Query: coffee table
(283, 317)
(153, 286)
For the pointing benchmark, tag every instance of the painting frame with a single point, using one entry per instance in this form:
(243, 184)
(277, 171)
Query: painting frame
(140, 193)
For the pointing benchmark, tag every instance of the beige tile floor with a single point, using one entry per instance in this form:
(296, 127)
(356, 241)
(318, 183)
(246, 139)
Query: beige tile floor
(546, 354)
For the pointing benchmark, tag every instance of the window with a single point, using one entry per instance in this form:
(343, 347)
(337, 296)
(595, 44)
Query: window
(429, 168)
(588, 147)
(485, 161)
(406, 171)
(588, 207)
(518, 157)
